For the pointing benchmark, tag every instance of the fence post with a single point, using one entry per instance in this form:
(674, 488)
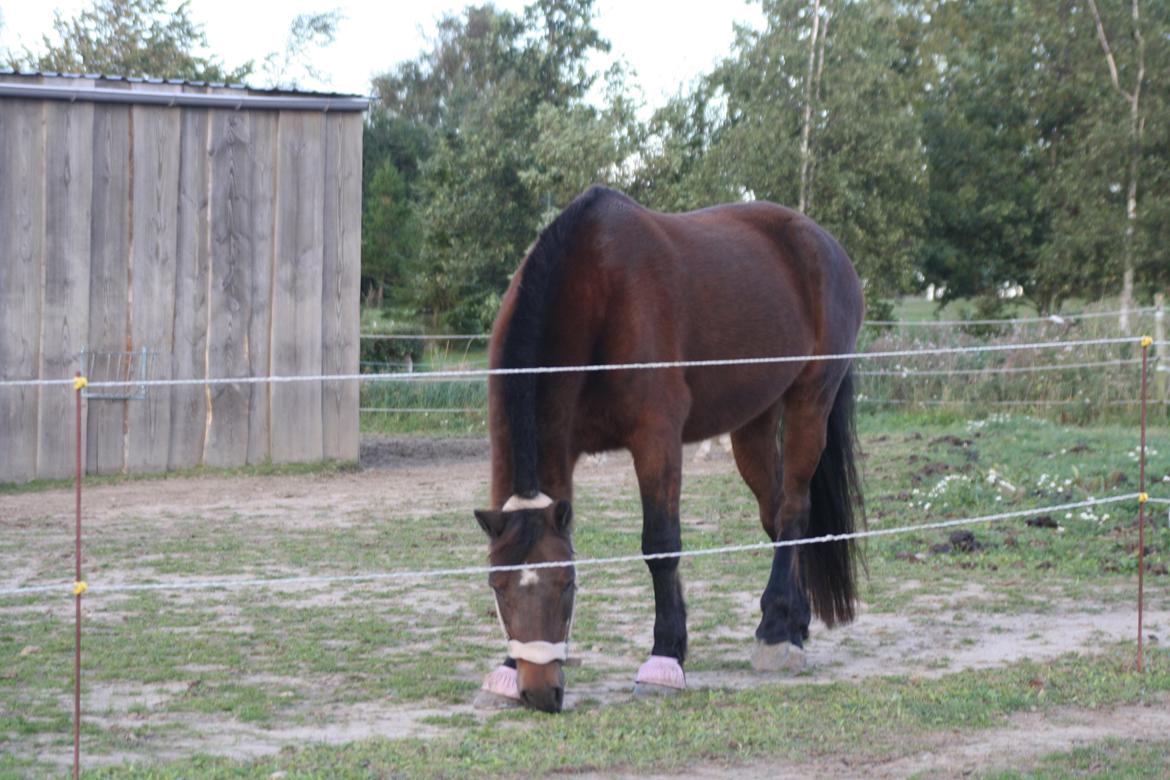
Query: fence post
(1142, 499)
(79, 586)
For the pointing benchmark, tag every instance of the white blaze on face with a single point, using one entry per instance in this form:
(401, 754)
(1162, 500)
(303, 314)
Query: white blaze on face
(528, 577)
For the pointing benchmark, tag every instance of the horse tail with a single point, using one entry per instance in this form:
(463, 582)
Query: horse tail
(829, 569)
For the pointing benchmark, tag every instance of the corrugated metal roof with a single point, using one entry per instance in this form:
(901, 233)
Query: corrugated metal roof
(104, 88)
(173, 82)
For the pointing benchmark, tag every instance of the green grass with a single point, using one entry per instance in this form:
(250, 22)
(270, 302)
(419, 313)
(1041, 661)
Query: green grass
(1107, 759)
(468, 398)
(915, 308)
(880, 720)
(159, 666)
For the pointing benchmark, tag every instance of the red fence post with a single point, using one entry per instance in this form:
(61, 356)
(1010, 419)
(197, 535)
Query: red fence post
(79, 588)
(1142, 498)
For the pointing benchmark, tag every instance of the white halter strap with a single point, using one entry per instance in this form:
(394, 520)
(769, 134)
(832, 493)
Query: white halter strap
(539, 501)
(538, 652)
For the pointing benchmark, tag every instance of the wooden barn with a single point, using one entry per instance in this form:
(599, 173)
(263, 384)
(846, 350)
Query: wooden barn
(176, 230)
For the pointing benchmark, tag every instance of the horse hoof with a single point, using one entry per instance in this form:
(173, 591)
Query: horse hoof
(500, 690)
(486, 700)
(652, 691)
(780, 657)
(659, 676)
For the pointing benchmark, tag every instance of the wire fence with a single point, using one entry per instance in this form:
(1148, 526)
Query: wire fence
(80, 588)
(410, 397)
(93, 589)
(1063, 319)
(483, 373)
(932, 358)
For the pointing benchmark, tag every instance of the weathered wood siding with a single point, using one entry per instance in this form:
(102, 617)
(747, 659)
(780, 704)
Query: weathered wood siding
(225, 242)
(22, 217)
(65, 294)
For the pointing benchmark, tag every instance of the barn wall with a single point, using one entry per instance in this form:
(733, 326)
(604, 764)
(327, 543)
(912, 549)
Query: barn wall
(225, 242)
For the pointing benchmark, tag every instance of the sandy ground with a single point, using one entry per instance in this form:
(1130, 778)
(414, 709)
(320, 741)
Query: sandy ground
(931, 639)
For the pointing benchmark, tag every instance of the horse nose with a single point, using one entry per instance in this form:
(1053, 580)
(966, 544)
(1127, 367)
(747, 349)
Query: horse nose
(542, 686)
(550, 699)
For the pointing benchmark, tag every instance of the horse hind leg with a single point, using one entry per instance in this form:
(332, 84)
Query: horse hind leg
(784, 604)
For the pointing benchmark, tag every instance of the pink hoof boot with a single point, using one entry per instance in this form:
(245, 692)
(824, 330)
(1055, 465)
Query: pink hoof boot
(499, 690)
(660, 675)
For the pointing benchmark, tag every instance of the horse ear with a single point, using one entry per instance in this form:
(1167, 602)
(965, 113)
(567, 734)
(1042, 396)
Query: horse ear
(563, 513)
(490, 521)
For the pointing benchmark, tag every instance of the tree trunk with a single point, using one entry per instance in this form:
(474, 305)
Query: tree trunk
(1136, 127)
(811, 178)
(806, 129)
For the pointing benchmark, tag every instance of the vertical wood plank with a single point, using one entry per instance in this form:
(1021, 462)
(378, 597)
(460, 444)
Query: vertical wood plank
(153, 230)
(22, 228)
(192, 263)
(297, 287)
(109, 278)
(230, 295)
(342, 283)
(263, 154)
(65, 310)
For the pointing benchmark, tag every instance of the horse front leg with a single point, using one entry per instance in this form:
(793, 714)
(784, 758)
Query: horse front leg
(658, 463)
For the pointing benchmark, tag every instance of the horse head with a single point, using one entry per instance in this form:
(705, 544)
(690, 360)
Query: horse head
(535, 605)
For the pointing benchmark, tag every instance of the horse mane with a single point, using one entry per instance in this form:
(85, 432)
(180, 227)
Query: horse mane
(522, 531)
(540, 279)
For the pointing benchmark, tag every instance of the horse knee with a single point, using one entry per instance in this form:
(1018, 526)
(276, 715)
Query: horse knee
(657, 540)
(662, 565)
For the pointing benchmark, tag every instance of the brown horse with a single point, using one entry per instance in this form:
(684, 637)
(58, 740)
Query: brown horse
(610, 282)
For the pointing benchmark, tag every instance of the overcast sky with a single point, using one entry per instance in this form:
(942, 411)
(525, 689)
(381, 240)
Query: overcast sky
(668, 42)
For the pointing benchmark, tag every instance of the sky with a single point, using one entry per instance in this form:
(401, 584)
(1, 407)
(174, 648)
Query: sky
(667, 42)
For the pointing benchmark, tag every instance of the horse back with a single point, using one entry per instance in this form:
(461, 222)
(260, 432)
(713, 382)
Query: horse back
(737, 280)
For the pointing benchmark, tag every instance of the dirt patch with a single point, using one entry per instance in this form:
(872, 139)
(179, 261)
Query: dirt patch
(388, 452)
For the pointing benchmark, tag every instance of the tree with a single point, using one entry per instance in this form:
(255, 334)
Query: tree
(132, 38)
(968, 143)
(677, 173)
(985, 223)
(306, 33)
(393, 151)
(389, 228)
(803, 115)
(511, 139)
(812, 99)
(468, 56)
(1100, 221)
(867, 180)
(1132, 95)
